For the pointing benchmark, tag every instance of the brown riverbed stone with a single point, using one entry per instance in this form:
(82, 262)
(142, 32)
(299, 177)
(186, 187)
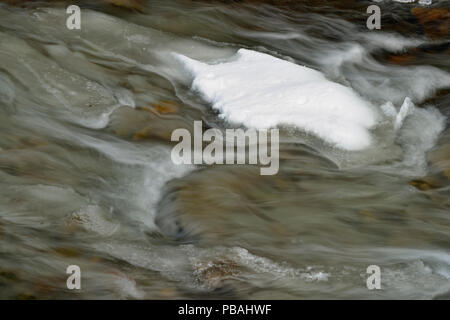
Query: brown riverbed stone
(214, 273)
(166, 107)
(161, 107)
(168, 293)
(425, 184)
(368, 215)
(145, 123)
(129, 4)
(339, 4)
(416, 55)
(435, 21)
(402, 59)
(67, 252)
(439, 157)
(25, 296)
(9, 275)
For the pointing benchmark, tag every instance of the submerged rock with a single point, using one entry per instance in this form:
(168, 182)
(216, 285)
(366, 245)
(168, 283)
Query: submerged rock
(213, 274)
(129, 4)
(418, 55)
(425, 184)
(92, 219)
(435, 21)
(145, 123)
(213, 204)
(439, 157)
(67, 252)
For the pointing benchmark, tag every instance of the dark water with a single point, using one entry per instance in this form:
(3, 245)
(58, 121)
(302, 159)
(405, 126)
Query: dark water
(86, 176)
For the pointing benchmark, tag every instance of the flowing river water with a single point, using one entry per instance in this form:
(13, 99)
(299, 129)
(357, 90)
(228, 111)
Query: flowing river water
(86, 176)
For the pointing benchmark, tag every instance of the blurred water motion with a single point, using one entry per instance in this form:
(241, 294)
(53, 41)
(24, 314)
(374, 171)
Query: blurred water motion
(86, 178)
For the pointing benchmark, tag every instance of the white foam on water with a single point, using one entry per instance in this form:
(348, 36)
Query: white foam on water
(150, 166)
(264, 265)
(406, 109)
(353, 63)
(126, 286)
(416, 270)
(390, 41)
(420, 129)
(261, 91)
(416, 130)
(185, 263)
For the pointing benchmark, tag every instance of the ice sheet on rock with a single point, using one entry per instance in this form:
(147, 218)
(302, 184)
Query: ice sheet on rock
(261, 91)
